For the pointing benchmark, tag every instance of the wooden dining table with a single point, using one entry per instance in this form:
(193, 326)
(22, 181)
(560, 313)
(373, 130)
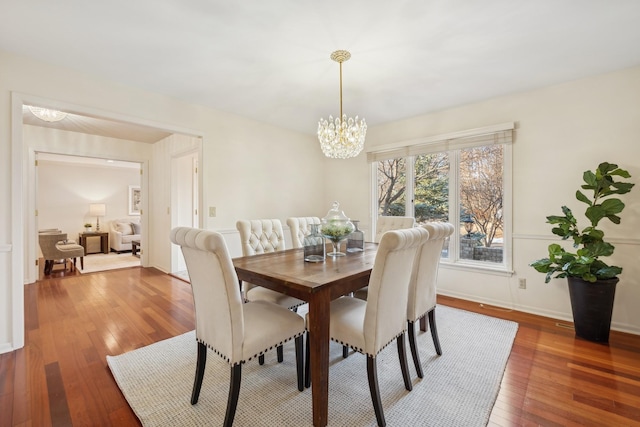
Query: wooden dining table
(318, 284)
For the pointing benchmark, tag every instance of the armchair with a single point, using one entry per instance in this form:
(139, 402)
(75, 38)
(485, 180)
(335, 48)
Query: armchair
(55, 247)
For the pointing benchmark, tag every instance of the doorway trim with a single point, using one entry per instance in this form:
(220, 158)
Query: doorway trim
(23, 234)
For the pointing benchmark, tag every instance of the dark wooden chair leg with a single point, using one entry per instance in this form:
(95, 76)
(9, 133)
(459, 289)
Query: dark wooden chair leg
(402, 355)
(300, 362)
(200, 364)
(411, 331)
(261, 359)
(434, 331)
(74, 264)
(82, 262)
(234, 392)
(423, 324)
(372, 373)
(345, 351)
(307, 363)
(280, 354)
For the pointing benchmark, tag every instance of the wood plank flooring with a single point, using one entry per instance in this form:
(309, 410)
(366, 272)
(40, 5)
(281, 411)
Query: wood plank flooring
(61, 378)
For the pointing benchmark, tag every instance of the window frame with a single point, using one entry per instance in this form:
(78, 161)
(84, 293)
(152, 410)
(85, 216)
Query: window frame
(452, 144)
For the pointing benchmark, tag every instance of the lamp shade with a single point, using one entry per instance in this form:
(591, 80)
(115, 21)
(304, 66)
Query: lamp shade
(97, 209)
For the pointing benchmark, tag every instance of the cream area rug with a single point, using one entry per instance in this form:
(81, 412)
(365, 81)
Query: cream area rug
(459, 388)
(110, 261)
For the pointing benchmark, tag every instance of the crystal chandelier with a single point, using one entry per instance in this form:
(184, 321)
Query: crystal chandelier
(47, 115)
(343, 137)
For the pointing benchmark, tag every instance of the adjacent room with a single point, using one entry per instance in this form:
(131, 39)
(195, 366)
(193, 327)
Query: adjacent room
(347, 213)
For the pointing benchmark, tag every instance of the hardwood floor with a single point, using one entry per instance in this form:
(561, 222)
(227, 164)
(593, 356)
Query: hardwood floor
(61, 377)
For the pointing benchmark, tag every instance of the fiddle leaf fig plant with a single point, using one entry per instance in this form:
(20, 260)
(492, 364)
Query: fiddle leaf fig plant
(589, 242)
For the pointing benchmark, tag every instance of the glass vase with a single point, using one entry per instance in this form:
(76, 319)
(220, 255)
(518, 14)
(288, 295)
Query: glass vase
(314, 245)
(355, 241)
(336, 227)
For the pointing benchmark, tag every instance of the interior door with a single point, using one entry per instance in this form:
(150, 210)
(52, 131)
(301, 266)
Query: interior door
(184, 201)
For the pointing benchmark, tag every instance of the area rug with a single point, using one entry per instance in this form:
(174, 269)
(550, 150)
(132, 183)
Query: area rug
(110, 261)
(459, 388)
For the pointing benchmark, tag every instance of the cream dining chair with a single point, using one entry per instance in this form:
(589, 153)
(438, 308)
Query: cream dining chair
(300, 228)
(262, 236)
(422, 288)
(235, 331)
(386, 223)
(369, 326)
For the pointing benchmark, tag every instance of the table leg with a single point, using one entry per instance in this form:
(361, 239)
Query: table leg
(104, 240)
(319, 329)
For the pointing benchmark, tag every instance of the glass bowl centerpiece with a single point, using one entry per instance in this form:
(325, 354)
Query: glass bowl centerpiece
(336, 227)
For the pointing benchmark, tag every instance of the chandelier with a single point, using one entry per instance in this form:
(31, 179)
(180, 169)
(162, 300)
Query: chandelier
(47, 115)
(343, 137)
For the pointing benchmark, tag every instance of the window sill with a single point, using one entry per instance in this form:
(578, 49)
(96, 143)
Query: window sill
(497, 270)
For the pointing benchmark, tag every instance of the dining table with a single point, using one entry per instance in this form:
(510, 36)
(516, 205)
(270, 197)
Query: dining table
(317, 283)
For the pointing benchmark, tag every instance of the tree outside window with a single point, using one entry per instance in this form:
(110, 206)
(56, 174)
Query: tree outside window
(477, 186)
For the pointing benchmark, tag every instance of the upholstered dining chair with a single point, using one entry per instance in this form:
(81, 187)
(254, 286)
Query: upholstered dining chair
(369, 326)
(234, 330)
(386, 223)
(299, 228)
(261, 236)
(422, 288)
(54, 247)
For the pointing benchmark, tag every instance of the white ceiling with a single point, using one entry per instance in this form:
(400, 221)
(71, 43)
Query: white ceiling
(269, 60)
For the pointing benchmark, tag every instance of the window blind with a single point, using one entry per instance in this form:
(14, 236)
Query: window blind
(498, 134)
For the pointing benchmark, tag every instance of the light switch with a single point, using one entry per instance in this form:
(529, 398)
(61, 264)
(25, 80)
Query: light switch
(212, 211)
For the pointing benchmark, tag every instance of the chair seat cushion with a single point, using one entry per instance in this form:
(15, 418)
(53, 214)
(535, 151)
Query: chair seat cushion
(263, 294)
(347, 322)
(266, 326)
(71, 249)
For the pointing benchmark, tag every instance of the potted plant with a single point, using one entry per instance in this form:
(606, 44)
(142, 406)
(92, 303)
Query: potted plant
(87, 227)
(592, 283)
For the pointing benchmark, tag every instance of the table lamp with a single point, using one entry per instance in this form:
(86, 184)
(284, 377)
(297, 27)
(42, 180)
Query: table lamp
(97, 210)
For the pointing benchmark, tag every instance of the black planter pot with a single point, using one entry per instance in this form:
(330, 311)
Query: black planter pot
(592, 307)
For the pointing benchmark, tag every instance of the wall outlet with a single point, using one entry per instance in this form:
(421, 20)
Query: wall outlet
(522, 283)
(212, 211)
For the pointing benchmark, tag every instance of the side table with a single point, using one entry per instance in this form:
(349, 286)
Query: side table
(135, 248)
(104, 240)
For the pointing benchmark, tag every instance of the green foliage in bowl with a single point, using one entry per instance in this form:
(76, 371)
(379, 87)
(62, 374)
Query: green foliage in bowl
(337, 230)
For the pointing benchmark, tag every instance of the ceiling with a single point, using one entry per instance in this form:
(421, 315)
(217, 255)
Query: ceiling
(269, 60)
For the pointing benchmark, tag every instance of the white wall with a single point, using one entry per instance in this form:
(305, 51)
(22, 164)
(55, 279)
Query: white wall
(65, 191)
(246, 165)
(562, 131)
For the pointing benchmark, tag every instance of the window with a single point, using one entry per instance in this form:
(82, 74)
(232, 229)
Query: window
(463, 180)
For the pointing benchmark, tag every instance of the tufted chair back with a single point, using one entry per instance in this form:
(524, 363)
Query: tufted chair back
(386, 223)
(299, 227)
(258, 236)
(385, 316)
(216, 294)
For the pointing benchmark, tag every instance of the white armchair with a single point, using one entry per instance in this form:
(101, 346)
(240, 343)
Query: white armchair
(122, 231)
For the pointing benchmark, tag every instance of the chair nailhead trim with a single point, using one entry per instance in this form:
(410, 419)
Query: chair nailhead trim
(226, 359)
(361, 351)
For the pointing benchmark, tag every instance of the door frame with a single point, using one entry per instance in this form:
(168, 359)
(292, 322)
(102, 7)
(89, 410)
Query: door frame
(23, 223)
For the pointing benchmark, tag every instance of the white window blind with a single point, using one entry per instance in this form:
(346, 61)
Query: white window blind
(498, 134)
